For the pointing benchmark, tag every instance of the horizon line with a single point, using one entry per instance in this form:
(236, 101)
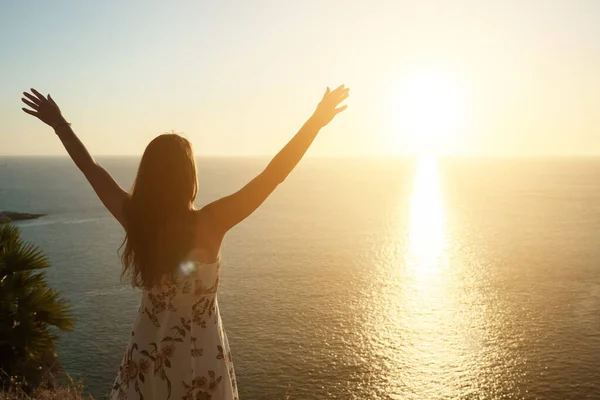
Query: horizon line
(333, 156)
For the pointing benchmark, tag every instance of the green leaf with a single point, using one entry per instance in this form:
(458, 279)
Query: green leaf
(31, 311)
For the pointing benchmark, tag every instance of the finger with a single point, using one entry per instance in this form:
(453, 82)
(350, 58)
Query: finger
(30, 104)
(336, 94)
(343, 97)
(335, 99)
(338, 89)
(339, 110)
(52, 100)
(32, 98)
(39, 95)
(344, 91)
(326, 93)
(30, 112)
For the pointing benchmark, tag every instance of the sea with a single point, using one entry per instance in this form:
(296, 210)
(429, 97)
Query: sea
(392, 278)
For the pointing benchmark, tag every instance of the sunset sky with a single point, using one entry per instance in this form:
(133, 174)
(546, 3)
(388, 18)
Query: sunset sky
(464, 77)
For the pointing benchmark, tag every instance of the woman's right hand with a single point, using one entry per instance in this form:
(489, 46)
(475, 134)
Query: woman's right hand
(44, 108)
(328, 107)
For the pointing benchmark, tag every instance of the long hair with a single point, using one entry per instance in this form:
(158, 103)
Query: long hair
(157, 216)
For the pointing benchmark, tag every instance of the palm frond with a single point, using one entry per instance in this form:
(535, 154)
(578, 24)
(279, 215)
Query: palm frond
(49, 307)
(31, 312)
(23, 257)
(9, 234)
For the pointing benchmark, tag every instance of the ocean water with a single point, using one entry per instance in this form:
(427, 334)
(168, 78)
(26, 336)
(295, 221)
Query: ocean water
(360, 279)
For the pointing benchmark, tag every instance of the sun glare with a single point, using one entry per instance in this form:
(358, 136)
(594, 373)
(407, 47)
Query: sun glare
(429, 110)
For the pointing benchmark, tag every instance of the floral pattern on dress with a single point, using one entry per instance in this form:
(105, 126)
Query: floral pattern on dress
(178, 348)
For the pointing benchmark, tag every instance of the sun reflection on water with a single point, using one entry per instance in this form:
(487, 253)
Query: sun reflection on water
(428, 321)
(424, 324)
(427, 221)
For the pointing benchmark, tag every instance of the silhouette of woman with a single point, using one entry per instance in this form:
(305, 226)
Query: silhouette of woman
(178, 348)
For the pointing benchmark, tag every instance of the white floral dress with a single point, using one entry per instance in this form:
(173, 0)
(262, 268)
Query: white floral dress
(178, 348)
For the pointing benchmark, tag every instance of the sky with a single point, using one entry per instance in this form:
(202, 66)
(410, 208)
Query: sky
(239, 78)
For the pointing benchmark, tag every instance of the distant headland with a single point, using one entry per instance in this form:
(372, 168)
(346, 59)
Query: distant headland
(10, 216)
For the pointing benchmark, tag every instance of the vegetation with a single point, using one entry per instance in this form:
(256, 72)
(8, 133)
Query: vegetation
(31, 314)
(71, 391)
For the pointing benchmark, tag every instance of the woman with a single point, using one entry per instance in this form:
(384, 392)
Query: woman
(178, 348)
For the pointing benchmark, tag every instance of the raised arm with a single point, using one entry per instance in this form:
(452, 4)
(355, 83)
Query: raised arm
(230, 210)
(110, 193)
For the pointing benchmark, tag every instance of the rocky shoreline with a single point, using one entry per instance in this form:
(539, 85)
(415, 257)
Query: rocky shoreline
(10, 216)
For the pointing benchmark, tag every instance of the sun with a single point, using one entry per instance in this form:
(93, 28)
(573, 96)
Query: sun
(428, 111)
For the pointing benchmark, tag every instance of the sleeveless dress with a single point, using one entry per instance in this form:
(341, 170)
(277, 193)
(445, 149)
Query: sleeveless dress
(178, 348)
